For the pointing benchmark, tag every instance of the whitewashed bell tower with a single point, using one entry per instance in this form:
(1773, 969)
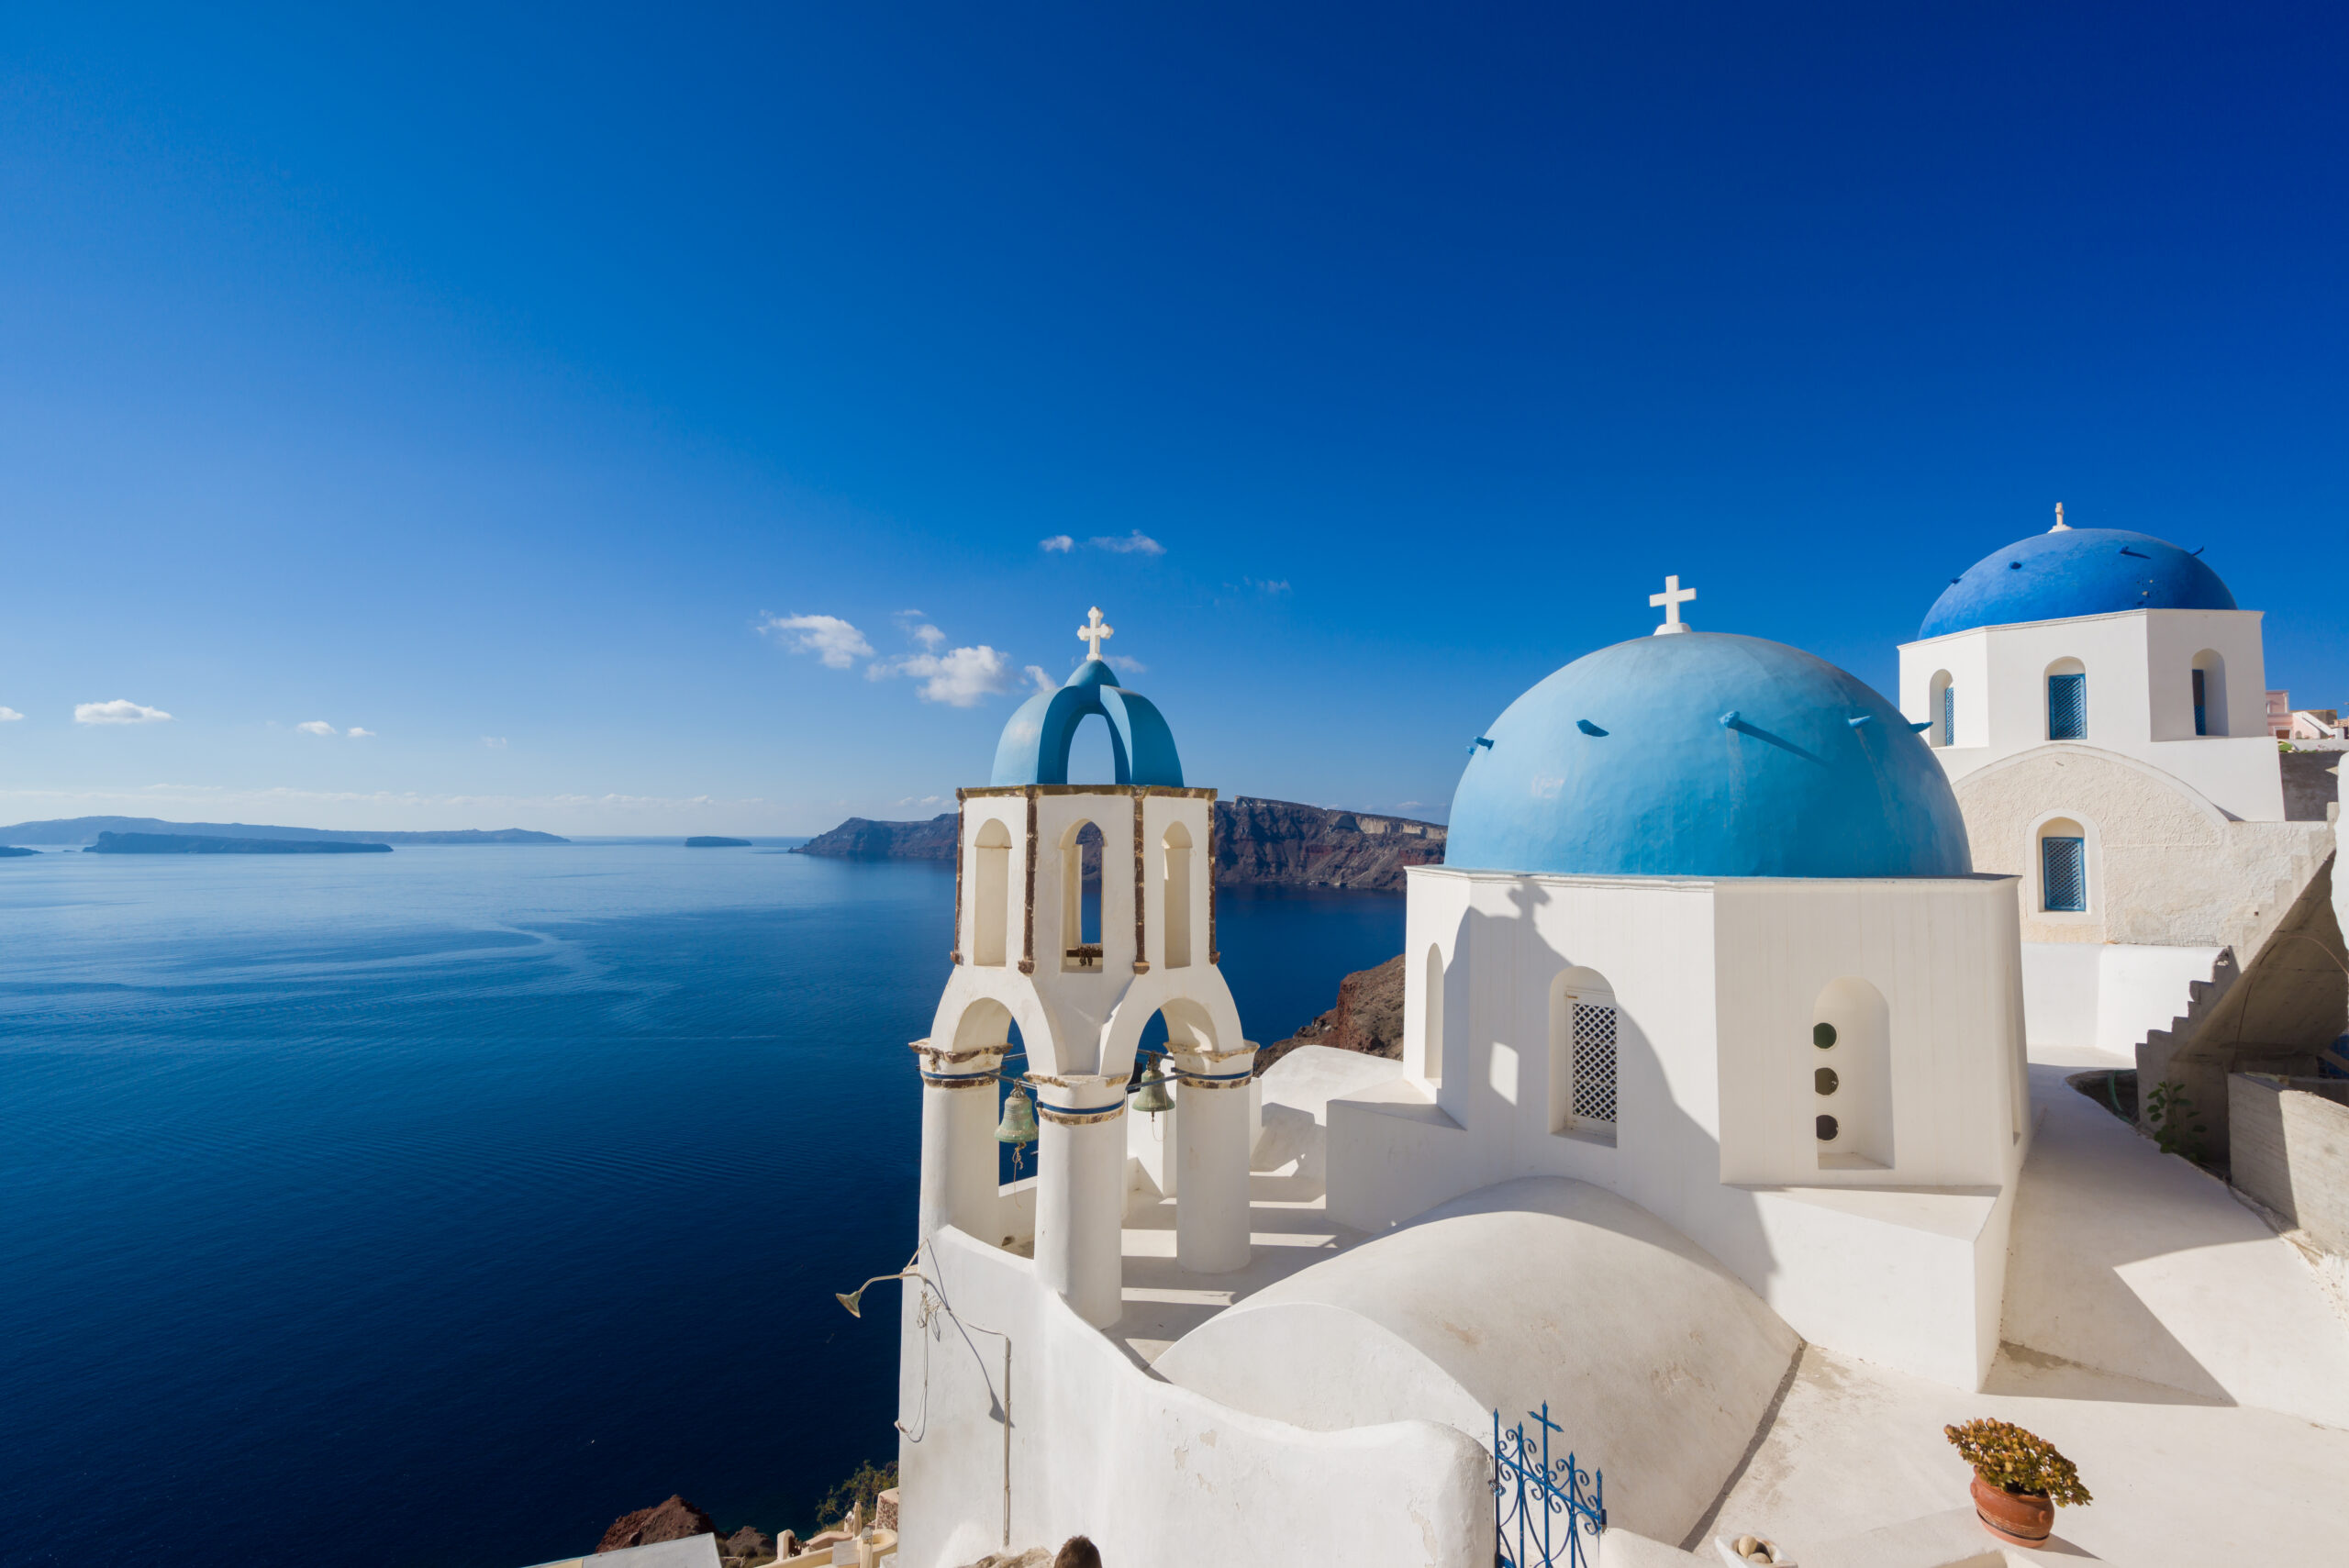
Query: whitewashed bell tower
(1079, 978)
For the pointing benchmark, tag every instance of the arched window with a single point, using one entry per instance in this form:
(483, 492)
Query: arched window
(2210, 694)
(1081, 900)
(990, 893)
(1850, 1066)
(1583, 1039)
(1941, 709)
(2062, 866)
(1432, 1016)
(2068, 700)
(1177, 915)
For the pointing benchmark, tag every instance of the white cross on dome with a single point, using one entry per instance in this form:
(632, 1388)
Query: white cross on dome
(1095, 629)
(1670, 601)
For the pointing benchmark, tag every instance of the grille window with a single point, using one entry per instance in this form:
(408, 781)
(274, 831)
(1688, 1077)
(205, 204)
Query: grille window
(1594, 1049)
(2064, 874)
(1949, 716)
(2067, 707)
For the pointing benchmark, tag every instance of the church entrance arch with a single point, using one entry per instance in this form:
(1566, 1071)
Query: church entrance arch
(1583, 1056)
(991, 894)
(2210, 678)
(1081, 850)
(2068, 700)
(1851, 1077)
(1176, 848)
(1941, 708)
(1432, 1016)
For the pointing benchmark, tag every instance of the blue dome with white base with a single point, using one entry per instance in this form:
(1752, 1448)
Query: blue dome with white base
(2075, 571)
(1704, 754)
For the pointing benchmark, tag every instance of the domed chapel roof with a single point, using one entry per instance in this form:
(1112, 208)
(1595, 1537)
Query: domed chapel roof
(1034, 747)
(2075, 571)
(1704, 754)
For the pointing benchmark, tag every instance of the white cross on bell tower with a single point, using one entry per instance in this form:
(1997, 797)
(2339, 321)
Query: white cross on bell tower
(1095, 629)
(1670, 600)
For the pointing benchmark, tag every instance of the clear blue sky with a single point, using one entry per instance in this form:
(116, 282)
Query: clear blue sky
(488, 380)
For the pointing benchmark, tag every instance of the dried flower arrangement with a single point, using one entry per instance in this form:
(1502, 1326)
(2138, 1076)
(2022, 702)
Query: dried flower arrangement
(2007, 1457)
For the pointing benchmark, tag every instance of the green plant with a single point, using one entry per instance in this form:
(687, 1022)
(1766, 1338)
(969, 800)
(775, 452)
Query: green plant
(2006, 1456)
(2171, 1112)
(862, 1489)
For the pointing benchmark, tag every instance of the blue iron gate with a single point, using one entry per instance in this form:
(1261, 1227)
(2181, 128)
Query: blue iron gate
(1541, 1509)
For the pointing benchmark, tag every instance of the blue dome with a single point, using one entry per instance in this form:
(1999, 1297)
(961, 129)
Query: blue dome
(1704, 754)
(2075, 571)
(1034, 746)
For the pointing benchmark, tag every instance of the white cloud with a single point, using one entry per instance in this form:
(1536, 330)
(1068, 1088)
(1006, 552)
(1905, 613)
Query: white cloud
(960, 678)
(119, 711)
(9, 716)
(1275, 586)
(1124, 665)
(1044, 683)
(930, 637)
(828, 637)
(316, 726)
(359, 734)
(1134, 543)
(494, 742)
(1059, 544)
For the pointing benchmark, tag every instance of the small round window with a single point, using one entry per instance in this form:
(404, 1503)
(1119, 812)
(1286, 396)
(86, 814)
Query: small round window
(1827, 1129)
(1824, 1080)
(1822, 1035)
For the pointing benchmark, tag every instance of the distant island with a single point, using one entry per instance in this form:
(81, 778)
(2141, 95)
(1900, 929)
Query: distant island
(9, 851)
(85, 830)
(710, 841)
(1258, 843)
(214, 844)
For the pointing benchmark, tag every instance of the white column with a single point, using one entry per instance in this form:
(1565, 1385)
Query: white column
(1211, 1223)
(1081, 1195)
(958, 1147)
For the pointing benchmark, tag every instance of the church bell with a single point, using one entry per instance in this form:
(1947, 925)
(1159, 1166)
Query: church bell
(1019, 1124)
(1153, 1096)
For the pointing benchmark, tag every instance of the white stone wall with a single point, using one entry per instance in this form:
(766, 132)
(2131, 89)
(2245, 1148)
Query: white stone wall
(2167, 867)
(1157, 1475)
(1718, 984)
(2288, 1147)
(2140, 696)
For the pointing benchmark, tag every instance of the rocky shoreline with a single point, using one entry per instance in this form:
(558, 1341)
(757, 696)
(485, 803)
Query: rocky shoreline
(1368, 1017)
(1258, 843)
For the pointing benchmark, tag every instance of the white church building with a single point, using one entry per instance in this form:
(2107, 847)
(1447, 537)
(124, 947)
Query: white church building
(1723, 1132)
(2098, 701)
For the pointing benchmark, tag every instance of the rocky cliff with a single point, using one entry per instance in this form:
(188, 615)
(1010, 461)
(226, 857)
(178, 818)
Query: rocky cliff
(1258, 843)
(1368, 1017)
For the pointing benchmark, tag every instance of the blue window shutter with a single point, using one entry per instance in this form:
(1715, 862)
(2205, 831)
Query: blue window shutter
(1949, 713)
(2064, 874)
(2202, 704)
(2067, 707)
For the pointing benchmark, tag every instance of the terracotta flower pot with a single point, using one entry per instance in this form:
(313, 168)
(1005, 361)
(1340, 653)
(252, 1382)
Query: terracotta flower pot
(2023, 1518)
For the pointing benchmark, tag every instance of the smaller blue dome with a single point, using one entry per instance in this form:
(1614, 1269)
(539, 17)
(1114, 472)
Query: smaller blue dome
(1035, 744)
(2075, 571)
(1704, 754)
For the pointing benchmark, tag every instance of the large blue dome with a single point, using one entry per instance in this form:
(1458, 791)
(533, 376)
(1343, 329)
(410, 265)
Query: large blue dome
(2075, 571)
(1704, 754)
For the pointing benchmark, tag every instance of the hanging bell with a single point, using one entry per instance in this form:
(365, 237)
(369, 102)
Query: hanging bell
(1153, 1096)
(1019, 1124)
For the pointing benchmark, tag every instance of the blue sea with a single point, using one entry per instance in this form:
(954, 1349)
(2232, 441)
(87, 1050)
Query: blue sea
(432, 1209)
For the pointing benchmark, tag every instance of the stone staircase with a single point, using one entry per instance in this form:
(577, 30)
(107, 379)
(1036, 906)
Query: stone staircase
(2282, 957)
